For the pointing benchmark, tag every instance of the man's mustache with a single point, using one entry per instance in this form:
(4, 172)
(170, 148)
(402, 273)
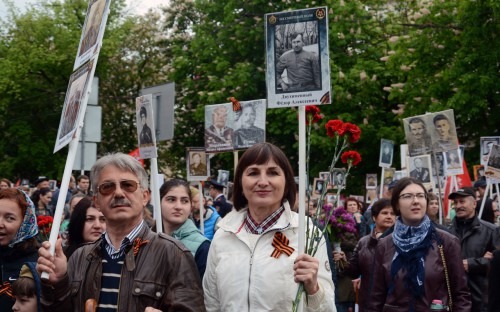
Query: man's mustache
(119, 202)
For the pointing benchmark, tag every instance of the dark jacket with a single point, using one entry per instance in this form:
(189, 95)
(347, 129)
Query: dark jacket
(435, 282)
(480, 237)
(362, 263)
(11, 261)
(162, 275)
(494, 283)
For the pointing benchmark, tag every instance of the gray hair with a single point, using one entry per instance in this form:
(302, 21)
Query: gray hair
(121, 161)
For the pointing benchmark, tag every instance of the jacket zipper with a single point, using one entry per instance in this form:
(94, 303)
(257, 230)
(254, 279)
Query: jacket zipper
(251, 259)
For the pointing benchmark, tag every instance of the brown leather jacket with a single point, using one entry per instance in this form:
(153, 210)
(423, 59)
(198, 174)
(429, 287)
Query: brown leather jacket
(162, 275)
(435, 281)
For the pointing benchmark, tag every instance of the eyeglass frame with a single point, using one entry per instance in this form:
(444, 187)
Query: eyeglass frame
(137, 184)
(413, 196)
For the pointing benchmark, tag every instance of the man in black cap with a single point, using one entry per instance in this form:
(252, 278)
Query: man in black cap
(220, 203)
(478, 240)
(488, 214)
(41, 182)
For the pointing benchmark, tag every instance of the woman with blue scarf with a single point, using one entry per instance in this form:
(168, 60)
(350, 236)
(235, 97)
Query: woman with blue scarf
(418, 267)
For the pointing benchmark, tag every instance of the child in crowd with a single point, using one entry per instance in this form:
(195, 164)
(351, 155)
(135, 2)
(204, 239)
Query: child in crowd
(26, 289)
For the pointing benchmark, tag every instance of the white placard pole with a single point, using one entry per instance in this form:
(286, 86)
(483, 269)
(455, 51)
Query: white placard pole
(381, 184)
(58, 214)
(235, 160)
(486, 192)
(302, 185)
(155, 195)
(202, 208)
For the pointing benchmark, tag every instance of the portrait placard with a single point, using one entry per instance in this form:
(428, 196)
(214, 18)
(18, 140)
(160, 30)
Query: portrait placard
(478, 172)
(144, 117)
(493, 165)
(389, 175)
(486, 145)
(370, 196)
(223, 177)
(75, 104)
(453, 162)
(371, 181)
(444, 133)
(338, 178)
(198, 164)
(249, 124)
(297, 54)
(92, 31)
(417, 136)
(420, 168)
(386, 153)
(219, 121)
(318, 187)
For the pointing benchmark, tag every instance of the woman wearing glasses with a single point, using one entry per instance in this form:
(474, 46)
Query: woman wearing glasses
(418, 267)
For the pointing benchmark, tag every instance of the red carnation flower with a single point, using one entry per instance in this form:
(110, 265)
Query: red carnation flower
(351, 157)
(353, 131)
(313, 114)
(334, 127)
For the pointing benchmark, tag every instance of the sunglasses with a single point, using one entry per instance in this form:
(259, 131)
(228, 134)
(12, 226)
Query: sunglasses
(128, 186)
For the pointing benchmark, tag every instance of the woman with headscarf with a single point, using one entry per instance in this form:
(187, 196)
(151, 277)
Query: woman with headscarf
(418, 267)
(18, 244)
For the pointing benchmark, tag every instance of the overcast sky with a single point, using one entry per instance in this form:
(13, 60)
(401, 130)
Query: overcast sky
(137, 6)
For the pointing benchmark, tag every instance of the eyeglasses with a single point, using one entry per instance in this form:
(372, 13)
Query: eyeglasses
(409, 196)
(107, 188)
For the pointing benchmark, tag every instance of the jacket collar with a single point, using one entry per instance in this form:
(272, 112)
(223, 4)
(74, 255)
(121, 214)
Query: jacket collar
(234, 221)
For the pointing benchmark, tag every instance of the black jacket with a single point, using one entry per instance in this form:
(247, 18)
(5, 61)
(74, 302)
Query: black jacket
(476, 239)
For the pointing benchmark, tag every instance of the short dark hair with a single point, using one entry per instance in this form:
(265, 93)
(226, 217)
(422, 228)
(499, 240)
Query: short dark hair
(379, 205)
(35, 197)
(399, 187)
(82, 177)
(77, 221)
(260, 154)
(416, 120)
(24, 287)
(439, 117)
(143, 111)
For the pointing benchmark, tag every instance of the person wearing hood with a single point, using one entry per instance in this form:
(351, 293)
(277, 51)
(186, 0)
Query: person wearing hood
(18, 244)
(175, 196)
(27, 289)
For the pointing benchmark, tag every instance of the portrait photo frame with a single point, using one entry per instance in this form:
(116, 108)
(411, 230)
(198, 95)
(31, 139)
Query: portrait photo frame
(493, 165)
(486, 145)
(219, 128)
(417, 134)
(249, 124)
(146, 136)
(386, 153)
(420, 168)
(197, 169)
(443, 131)
(92, 31)
(371, 181)
(318, 187)
(337, 178)
(223, 177)
(453, 162)
(308, 84)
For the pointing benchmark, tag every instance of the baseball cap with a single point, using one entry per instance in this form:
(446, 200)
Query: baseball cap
(40, 180)
(463, 192)
(480, 183)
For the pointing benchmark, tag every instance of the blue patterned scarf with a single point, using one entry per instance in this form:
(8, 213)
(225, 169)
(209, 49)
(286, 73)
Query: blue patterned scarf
(412, 244)
(29, 227)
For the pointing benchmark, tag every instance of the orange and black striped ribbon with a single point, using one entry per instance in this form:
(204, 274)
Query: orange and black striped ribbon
(138, 242)
(6, 289)
(280, 244)
(236, 104)
(325, 98)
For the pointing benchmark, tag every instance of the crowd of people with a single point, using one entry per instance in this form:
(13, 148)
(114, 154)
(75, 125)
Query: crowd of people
(240, 254)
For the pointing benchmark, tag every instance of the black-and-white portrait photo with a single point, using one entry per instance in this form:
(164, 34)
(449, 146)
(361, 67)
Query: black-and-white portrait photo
(486, 146)
(386, 153)
(417, 136)
(145, 126)
(249, 124)
(371, 181)
(298, 70)
(223, 177)
(453, 162)
(297, 64)
(318, 187)
(444, 135)
(146, 135)
(218, 128)
(420, 168)
(338, 178)
(197, 163)
(389, 175)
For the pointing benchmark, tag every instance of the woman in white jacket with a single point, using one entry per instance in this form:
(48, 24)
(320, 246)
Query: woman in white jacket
(253, 263)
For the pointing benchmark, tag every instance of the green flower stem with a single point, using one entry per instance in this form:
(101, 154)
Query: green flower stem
(298, 297)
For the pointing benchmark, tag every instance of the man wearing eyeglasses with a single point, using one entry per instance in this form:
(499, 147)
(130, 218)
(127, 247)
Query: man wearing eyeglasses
(478, 240)
(129, 268)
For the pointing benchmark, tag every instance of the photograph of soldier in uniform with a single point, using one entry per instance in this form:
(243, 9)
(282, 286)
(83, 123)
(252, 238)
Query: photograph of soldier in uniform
(218, 128)
(318, 186)
(223, 177)
(197, 165)
(420, 168)
(493, 166)
(92, 25)
(249, 125)
(418, 139)
(338, 178)
(371, 181)
(453, 162)
(444, 137)
(146, 136)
